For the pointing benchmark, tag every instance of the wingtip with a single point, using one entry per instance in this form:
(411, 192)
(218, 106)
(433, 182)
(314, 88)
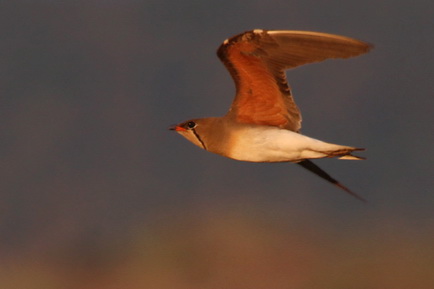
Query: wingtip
(309, 165)
(350, 192)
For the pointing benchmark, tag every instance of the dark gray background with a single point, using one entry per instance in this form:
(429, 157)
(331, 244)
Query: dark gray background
(95, 190)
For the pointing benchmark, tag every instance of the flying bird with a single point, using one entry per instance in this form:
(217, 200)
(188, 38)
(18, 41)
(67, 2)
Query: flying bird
(263, 123)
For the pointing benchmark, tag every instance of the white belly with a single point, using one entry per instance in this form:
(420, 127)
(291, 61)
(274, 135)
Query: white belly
(271, 144)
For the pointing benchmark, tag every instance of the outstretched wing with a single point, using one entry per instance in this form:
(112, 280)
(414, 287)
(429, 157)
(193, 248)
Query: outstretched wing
(257, 61)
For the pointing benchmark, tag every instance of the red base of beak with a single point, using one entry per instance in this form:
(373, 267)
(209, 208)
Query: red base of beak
(177, 128)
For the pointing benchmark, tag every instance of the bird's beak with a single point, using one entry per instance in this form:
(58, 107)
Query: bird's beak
(177, 128)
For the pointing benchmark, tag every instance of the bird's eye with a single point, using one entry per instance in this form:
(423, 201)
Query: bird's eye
(191, 124)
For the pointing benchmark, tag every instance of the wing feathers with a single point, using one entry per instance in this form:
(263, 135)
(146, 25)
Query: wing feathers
(257, 61)
(299, 47)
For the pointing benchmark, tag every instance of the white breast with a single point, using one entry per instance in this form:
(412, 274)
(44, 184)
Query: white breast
(272, 144)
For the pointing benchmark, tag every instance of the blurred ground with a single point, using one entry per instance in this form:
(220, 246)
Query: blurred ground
(96, 193)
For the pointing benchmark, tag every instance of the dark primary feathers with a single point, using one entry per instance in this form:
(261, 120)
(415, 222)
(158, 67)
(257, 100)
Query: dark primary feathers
(312, 167)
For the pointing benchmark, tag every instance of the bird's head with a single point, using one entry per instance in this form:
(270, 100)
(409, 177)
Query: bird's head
(193, 130)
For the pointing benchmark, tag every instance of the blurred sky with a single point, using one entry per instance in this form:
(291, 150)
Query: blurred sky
(89, 88)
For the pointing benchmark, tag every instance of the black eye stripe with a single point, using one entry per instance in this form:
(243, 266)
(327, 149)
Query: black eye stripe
(199, 139)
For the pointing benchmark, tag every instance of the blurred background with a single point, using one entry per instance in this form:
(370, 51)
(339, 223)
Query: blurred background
(95, 192)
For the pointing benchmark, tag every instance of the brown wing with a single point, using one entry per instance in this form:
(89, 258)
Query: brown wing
(257, 61)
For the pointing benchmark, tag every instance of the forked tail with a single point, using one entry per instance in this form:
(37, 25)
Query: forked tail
(345, 153)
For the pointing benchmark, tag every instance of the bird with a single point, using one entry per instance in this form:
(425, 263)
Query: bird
(263, 123)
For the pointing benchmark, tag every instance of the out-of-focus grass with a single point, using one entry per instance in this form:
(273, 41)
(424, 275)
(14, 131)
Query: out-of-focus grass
(232, 248)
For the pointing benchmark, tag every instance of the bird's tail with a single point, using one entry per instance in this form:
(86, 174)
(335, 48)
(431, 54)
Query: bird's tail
(345, 153)
(328, 150)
